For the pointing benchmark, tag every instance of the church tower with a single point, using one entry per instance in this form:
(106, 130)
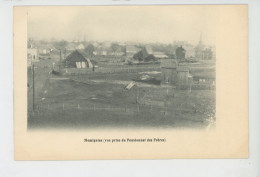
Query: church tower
(199, 48)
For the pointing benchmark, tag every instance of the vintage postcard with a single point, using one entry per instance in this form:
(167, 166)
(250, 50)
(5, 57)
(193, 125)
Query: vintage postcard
(130, 82)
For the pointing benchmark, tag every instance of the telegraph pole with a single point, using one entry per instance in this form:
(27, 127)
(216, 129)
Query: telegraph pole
(137, 95)
(33, 94)
(60, 61)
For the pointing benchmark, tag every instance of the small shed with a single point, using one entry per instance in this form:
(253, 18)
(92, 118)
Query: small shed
(169, 71)
(77, 60)
(183, 76)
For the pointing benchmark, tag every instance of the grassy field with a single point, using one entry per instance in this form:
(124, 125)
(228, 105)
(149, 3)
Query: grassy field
(100, 100)
(68, 103)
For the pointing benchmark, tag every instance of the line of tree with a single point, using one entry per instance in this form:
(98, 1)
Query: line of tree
(144, 56)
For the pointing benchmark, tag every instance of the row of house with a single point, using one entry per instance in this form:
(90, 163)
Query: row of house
(184, 51)
(42, 49)
(106, 49)
(181, 52)
(132, 50)
(198, 52)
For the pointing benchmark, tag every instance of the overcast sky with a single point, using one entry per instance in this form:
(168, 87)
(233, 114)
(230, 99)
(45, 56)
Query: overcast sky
(162, 24)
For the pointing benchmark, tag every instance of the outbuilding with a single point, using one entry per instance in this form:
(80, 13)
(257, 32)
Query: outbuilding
(169, 71)
(183, 75)
(77, 60)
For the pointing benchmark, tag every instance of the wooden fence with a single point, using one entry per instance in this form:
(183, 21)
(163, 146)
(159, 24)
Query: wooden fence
(125, 109)
(75, 71)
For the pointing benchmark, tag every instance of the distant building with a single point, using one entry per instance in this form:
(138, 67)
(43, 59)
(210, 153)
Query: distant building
(44, 50)
(213, 49)
(131, 50)
(204, 52)
(101, 50)
(117, 53)
(95, 44)
(80, 47)
(116, 50)
(160, 55)
(180, 53)
(77, 60)
(32, 56)
(71, 46)
(207, 54)
(106, 44)
(169, 71)
(189, 51)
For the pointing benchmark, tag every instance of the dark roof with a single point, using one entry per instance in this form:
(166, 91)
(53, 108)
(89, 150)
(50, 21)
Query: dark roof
(181, 49)
(74, 57)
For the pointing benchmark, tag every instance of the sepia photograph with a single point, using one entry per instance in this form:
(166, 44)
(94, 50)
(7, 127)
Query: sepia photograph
(130, 88)
(121, 67)
(130, 82)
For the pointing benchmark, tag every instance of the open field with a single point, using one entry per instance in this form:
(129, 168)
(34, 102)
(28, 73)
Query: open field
(99, 99)
(106, 105)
